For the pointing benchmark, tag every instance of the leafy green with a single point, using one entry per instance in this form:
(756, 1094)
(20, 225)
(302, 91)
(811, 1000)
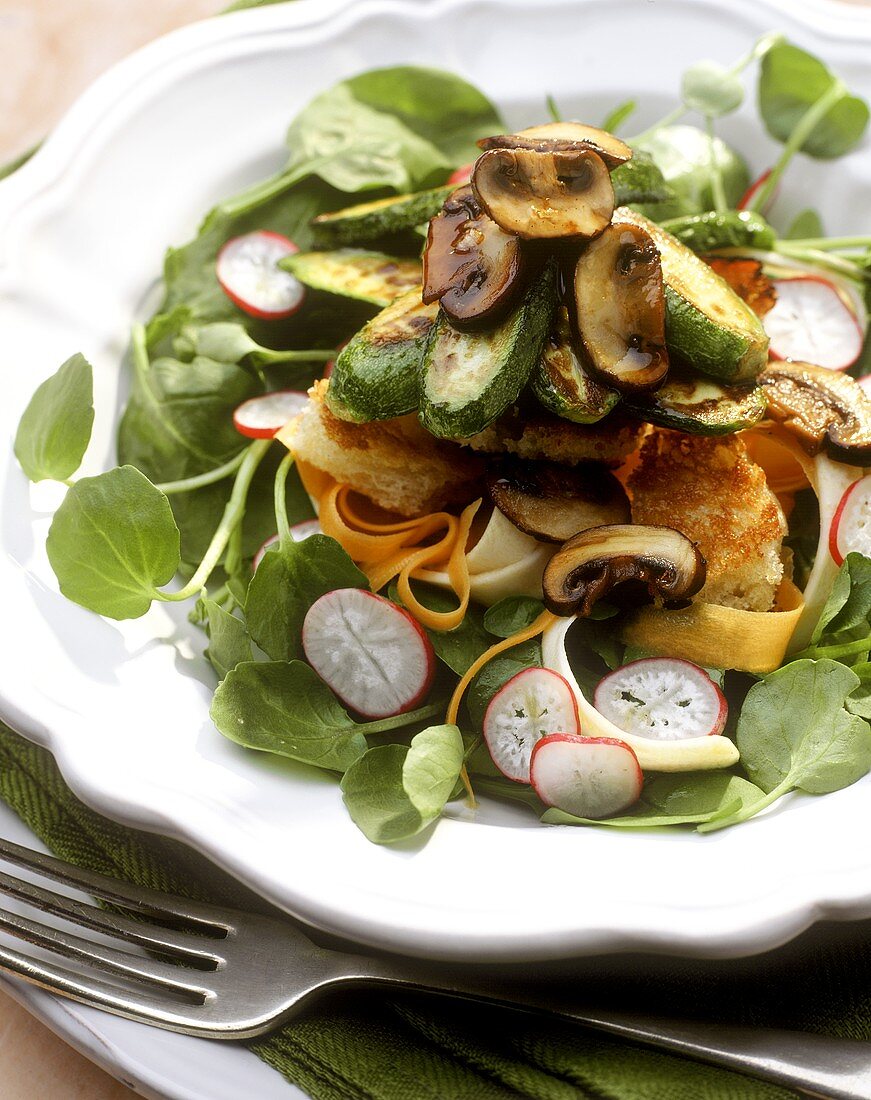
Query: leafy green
(795, 733)
(229, 342)
(229, 644)
(711, 89)
(498, 672)
(859, 700)
(614, 119)
(849, 602)
(458, 648)
(395, 791)
(683, 155)
(512, 614)
(690, 798)
(791, 83)
(285, 708)
(287, 583)
(639, 180)
(712, 229)
(55, 429)
(113, 542)
(806, 224)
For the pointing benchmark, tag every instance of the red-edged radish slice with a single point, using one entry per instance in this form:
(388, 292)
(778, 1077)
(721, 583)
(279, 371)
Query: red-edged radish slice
(261, 417)
(373, 654)
(754, 189)
(590, 777)
(851, 526)
(532, 704)
(461, 175)
(299, 532)
(249, 275)
(663, 698)
(811, 323)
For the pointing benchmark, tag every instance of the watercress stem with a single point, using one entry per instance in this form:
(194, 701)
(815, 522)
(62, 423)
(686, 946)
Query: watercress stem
(384, 725)
(803, 130)
(189, 484)
(718, 192)
(746, 812)
(281, 519)
(836, 652)
(831, 244)
(232, 516)
(841, 264)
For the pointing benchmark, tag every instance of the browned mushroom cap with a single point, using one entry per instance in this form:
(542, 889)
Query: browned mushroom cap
(545, 195)
(553, 502)
(825, 410)
(620, 302)
(555, 137)
(646, 564)
(471, 265)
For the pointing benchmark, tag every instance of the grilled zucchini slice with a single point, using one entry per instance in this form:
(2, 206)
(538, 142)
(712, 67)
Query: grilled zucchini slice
(561, 382)
(354, 273)
(700, 406)
(381, 218)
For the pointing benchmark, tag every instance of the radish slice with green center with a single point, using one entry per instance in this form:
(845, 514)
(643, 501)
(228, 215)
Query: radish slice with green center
(373, 654)
(261, 417)
(811, 323)
(532, 704)
(299, 532)
(851, 528)
(591, 777)
(248, 272)
(663, 698)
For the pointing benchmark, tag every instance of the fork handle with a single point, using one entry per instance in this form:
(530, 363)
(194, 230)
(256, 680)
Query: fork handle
(835, 1069)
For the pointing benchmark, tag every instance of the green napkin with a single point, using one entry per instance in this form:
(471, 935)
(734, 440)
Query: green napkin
(365, 1046)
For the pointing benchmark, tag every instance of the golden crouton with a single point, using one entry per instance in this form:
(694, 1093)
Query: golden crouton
(709, 489)
(540, 435)
(396, 463)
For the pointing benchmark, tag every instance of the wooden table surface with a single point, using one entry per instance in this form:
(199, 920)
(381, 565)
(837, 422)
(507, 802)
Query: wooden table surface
(50, 50)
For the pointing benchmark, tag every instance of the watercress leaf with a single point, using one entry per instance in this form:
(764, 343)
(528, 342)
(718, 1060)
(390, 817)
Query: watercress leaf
(614, 119)
(287, 583)
(511, 615)
(711, 89)
(498, 672)
(730, 229)
(395, 791)
(229, 342)
(794, 732)
(285, 708)
(458, 648)
(683, 155)
(806, 224)
(859, 701)
(849, 602)
(229, 644)
(640, 180)
(791, 81)
(113, 542)
(55, 429)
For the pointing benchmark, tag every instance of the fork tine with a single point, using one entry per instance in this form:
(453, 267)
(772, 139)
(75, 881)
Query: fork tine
(139, 898)
(155, 937)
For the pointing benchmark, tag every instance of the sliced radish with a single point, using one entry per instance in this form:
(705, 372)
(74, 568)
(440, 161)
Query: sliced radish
(534, 703)
(663, 698)
(754, 189)
(461, 175)
(589, 777)
(300, 532)
(811, 323)
(249, 275)
(851, 526)
(261, 417)
(373, 654)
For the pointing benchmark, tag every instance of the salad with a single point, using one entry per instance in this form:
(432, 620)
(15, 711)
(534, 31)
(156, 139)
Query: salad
(527, 463)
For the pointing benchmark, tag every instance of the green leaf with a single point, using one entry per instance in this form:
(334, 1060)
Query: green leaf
(458, 648)
(403, 128)
(229, 342)
(287, 583)
(54, 432)
(711, 89)
(859, 701)
(849, 602)
(793, 731)
(619, 115)
(395, 791)
(285, 708)
(807, 224)
(511, 615)
(229, 644)
(639, 180)
(791, 81)
(712, 229)
(498, 672)
(683, 155)
(113, 543)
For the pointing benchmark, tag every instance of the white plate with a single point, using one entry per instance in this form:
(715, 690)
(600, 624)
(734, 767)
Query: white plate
(125, 707)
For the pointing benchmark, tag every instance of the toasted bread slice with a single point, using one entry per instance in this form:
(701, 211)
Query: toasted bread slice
(396, 463)
(539, 435)
(711, 491)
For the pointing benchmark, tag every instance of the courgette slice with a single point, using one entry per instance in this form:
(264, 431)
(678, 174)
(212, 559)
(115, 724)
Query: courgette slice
(707, 326)
(700, 406)
(470, 379)
(562, 384)
(381, 218)
(376, 375)
(354, 273)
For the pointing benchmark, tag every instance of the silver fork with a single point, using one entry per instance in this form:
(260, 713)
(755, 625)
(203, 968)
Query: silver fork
(235, 975)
